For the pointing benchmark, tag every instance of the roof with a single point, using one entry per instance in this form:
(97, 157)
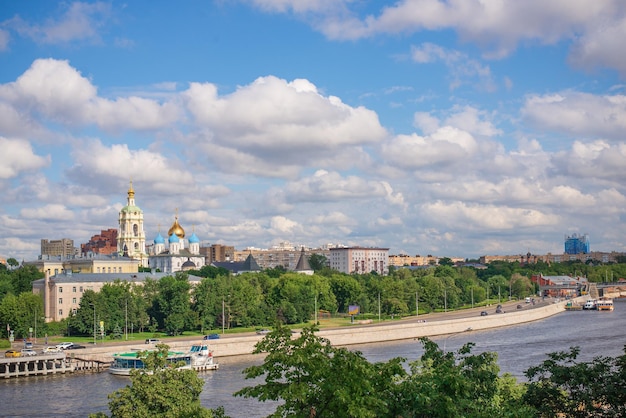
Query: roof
(237, 267)
(111, 277)
(303, 262)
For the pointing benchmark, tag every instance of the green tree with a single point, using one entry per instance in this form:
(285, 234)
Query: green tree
(318, 262)
(313, 378)
(160, 391)
(561, 386)
(21, 313)
(448, 384)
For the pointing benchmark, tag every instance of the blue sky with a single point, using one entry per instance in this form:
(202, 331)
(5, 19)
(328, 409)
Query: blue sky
(453, 128)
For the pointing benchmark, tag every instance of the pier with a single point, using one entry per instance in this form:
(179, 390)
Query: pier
(43, 364)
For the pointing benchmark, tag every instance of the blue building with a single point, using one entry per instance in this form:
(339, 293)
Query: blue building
(577, 244)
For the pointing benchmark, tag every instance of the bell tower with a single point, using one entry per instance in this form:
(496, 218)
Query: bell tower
(131, 237)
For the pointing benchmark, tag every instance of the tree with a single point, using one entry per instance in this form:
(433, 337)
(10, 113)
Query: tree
(317, 261)
(313, 378)
(448, 384)
(560, 386)
(160, 391)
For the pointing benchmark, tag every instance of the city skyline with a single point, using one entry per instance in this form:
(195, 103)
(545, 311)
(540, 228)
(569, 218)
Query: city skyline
(457, 128)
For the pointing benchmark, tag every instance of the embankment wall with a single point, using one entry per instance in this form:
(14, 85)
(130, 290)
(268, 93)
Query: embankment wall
(359, 334)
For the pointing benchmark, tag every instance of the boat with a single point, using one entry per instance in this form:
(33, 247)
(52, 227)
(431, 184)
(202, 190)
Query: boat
(590, 304)
(199, 357)
(571, 306)
(604, 304)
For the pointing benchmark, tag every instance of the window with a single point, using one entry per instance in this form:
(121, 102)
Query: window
(74, 301)
(98, 270)
(60, 290)
(109, 269)
(60, 312)
(60, 301)
(74, 289)
(81, 289)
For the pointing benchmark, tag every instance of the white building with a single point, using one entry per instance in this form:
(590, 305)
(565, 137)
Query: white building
(360, 260)
(178, 253)
(131, 238)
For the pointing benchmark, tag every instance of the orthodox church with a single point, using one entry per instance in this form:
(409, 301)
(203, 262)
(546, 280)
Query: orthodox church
(177, 253)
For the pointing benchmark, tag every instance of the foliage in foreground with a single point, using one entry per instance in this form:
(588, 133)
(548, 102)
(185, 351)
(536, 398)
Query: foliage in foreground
(159, 390)
(313, 378)
(560, 386)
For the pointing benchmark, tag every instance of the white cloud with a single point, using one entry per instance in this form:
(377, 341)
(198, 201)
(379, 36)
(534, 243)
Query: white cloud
(461, 68)
(595, 28)
(60, 93)
(80, 21)
(54, 212)
(578, 114)
(19, 157)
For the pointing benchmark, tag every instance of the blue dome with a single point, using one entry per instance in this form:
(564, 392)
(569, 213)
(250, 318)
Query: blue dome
(193, 239)
(159, 239)
(173, 238)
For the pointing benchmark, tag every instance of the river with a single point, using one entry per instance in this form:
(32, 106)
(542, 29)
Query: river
(518, 347)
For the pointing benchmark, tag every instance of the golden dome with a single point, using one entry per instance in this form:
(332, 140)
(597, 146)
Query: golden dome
(176, 229)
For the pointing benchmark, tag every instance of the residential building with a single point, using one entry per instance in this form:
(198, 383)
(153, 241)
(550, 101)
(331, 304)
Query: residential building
(91, 263)
(63, 292)
(360, 260)
(58, 248)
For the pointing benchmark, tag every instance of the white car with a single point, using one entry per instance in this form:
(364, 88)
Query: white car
(64, 346)
(47, 350)
(29, 352)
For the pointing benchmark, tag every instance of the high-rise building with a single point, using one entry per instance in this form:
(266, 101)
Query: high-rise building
(62, 247)
(577, 244)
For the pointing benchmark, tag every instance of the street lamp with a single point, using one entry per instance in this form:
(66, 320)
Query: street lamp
(94, 322)
(223, 315)
(452, 335)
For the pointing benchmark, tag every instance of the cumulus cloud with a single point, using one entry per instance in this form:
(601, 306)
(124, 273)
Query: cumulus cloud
(578, 113)
(19, 157)
(55, 212)
(118, 162)
(485, 217)
(326, 186)
(275, 123)
(60, 93)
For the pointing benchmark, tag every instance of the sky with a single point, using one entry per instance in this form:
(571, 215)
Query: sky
(454, 128)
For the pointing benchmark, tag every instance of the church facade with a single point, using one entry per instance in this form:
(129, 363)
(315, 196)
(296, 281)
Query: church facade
(131, 237)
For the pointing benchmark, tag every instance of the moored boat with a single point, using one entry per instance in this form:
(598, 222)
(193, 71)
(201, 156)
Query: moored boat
(590, 304)
(605, 304)
(199, 357)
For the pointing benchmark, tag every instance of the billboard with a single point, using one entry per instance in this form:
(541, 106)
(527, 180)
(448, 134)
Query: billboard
(353, 310)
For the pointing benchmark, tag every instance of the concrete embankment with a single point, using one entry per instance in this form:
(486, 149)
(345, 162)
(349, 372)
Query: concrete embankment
(360, 334)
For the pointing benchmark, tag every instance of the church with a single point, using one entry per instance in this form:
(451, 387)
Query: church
(177, 253)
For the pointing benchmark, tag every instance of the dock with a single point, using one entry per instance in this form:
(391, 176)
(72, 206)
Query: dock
(43, 364)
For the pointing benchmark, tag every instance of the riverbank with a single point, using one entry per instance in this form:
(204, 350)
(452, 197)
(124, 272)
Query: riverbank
(420, 326)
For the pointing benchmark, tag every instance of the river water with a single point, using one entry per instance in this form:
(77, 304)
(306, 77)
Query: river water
(518, 348)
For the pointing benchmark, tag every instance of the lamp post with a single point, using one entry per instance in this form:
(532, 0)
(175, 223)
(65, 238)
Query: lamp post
(452, 335)
(94, 322)
(223, 317)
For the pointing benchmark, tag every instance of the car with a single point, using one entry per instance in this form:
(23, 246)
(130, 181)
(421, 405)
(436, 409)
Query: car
(519, 307)
(263, 331)
(213, 336)
(499, 310)
(28, 352)
(64, 346)
(28, 344)
(483, 313)
(152, 341)
(47, 350)
(75, 347)
(12, 353)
